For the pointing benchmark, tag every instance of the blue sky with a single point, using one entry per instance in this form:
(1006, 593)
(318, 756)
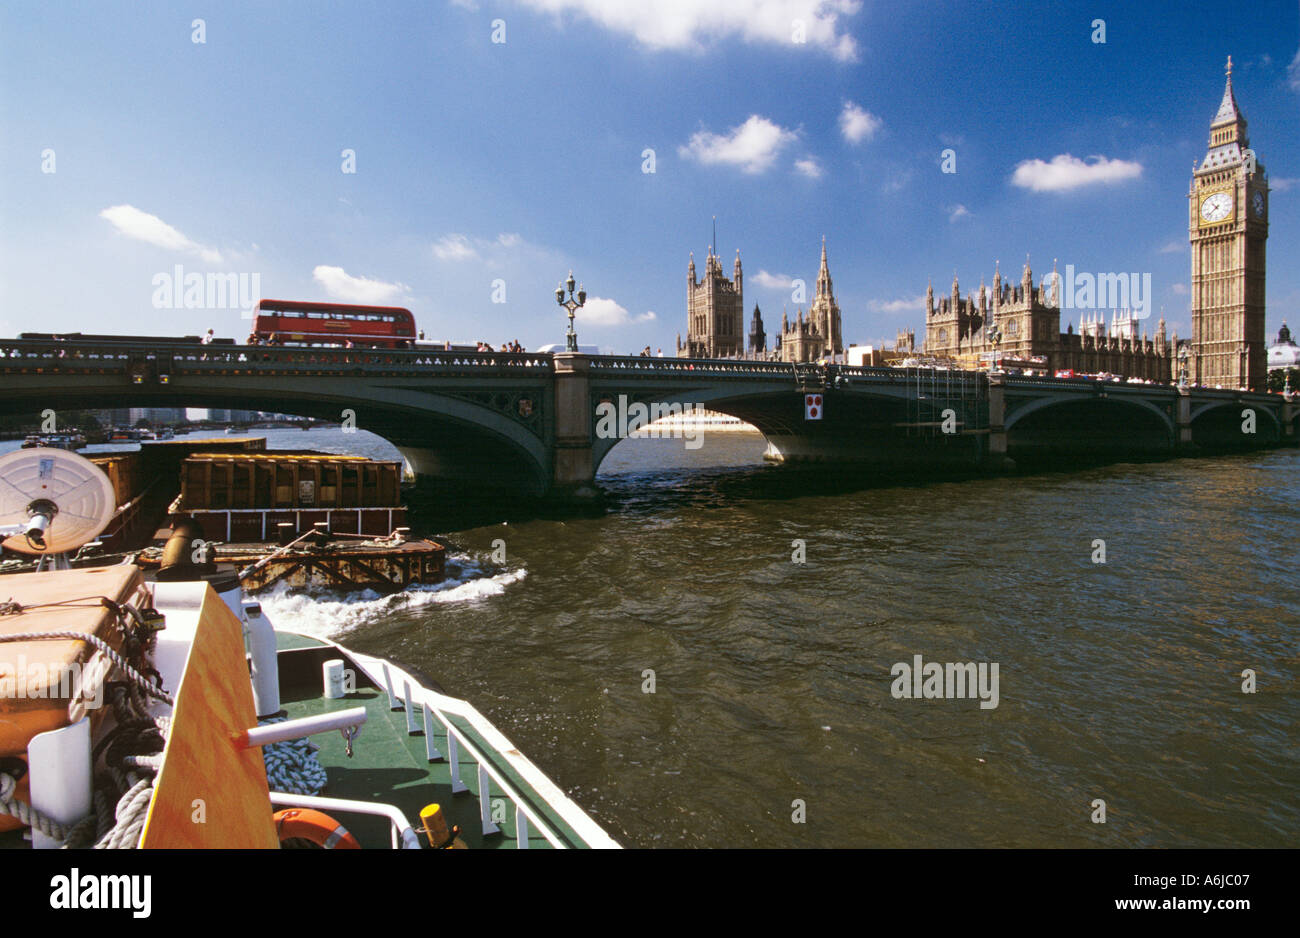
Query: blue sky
(479, 161)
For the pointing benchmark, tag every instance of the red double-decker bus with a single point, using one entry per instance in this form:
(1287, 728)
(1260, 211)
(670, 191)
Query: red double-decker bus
(293, 322)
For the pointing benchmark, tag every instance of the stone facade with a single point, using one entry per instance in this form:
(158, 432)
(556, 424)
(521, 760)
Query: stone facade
(1028, 320)
(714, 317)
(715, 312)
(819, 335)
(1227, 226)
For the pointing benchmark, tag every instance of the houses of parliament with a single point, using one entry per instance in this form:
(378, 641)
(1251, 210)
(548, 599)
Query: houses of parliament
(1227, 227)
(1228, 204)
(715, 314)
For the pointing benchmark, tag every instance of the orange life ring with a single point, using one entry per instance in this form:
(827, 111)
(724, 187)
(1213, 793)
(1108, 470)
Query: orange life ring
(319, 828)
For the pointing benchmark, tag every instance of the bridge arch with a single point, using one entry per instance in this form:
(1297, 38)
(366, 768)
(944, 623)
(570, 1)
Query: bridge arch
(1043, 403)
(1219, 424)
(1085, 427)
(440, 435)
(719, 400)
(864, 423)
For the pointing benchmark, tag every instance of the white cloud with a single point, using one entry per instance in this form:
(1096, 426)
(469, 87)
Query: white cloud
(773, 281)
(808, 166)
(454, 247)
(913, 304)
(343, 286)
(858, 125)
(1067, 172)
(958, 211)
(1293, 72)
(151, 229)
(459, 247)
(897, 180)
(690, 24)
(753, 146)
(1180, 289)
(600, 311)
(1173, 247)
(1282, 183)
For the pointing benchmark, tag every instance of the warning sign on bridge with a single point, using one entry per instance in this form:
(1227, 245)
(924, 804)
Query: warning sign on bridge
(812, 407)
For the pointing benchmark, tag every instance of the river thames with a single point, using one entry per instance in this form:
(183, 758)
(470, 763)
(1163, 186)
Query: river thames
(1118, 682)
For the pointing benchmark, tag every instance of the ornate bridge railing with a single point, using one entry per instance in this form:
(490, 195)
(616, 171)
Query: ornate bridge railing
(107, 357)
(689, 367)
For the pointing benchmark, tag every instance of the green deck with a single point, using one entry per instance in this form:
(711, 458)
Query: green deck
(389, 765)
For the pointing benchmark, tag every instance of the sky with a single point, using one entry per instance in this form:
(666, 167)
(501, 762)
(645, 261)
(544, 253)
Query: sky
(461, 158)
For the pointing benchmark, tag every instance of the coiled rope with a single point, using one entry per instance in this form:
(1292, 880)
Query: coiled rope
(292, 766)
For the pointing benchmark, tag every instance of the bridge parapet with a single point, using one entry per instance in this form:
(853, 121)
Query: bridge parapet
(713, 367)
(41, 355)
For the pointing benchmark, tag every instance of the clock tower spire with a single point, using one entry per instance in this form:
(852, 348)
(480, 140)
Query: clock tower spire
(1227, 227)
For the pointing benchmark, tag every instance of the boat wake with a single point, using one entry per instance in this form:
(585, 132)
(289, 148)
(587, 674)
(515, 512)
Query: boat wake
(327, 613)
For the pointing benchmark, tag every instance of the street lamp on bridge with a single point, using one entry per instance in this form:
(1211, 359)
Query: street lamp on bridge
(1183, 356)
(995, 338)
(572, 305)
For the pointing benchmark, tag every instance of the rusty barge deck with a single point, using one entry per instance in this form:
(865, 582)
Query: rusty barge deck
(381, 564)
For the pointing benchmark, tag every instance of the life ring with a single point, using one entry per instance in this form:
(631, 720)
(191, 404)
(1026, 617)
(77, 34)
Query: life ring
(319, 828)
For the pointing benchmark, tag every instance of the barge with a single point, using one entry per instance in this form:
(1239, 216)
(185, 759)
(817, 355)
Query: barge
(298, 517)
(318, 558)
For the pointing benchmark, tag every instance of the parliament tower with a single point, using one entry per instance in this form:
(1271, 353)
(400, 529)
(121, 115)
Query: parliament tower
(715, 311)
(1228, 225)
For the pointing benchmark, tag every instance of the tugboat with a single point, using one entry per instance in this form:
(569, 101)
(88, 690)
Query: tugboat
(132, 705)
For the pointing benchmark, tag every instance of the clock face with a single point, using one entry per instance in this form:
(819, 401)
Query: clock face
(1258, 203)
(1216, 207)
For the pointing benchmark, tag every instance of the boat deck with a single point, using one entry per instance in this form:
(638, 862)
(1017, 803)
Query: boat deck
(391, 765)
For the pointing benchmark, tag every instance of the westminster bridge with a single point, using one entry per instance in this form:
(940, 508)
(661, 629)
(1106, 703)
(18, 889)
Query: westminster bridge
(539, 424)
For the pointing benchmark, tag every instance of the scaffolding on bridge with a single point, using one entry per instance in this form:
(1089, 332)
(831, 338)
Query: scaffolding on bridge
(932, 391)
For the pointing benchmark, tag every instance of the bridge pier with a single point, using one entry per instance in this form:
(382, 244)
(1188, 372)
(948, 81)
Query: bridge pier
(996, 449)
(1183, 422)
(573, 472)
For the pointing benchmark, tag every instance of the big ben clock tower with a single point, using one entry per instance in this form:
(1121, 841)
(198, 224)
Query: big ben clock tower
(1228, 226)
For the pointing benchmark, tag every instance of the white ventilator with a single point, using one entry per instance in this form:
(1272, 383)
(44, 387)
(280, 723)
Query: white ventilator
(52, 501)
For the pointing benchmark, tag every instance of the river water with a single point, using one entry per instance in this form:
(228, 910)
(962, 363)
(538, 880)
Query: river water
(772, 721)
(1118, 681)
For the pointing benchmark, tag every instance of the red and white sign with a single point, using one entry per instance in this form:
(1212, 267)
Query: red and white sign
(812, 407)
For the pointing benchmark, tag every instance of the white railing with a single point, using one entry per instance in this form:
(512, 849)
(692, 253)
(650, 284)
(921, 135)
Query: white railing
(487, 773)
